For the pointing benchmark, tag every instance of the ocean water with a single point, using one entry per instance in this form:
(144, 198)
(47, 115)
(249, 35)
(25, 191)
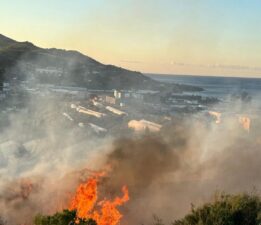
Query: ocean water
(220, 87)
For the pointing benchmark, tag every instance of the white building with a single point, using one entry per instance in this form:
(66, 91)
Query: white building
(89, 112)
(67, 116)
(143, 125)
(116, 111)
(97, 129)
(50, 71)
(117, 94)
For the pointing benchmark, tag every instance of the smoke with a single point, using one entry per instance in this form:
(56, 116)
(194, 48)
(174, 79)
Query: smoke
(166, 172)
(39, 151)
(187, 163)
(43, 157)
(139, 162)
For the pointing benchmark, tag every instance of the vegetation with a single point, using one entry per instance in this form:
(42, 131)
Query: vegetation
(63, 218)
(226, 210)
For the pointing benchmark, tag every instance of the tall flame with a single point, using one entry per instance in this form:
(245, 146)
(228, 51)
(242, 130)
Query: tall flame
(103, 212)
(85, 198)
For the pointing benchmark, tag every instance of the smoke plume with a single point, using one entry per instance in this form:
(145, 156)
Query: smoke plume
(44, 157)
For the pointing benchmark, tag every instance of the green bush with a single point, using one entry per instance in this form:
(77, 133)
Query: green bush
(226, 210)
(62, 218)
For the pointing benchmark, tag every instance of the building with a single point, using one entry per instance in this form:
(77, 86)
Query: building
(49, 71)
(116, 111)
(97, 129)
(117, 94)
(89, 112)
(110, 100)
(143, 125)
(4, 90)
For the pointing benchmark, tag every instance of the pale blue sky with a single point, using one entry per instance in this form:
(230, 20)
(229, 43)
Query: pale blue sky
(215, 37)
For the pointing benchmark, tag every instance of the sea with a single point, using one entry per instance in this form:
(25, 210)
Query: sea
(220, 87)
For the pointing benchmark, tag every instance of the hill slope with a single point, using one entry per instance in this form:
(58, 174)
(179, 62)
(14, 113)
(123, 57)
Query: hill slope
(25, 61)
(5, 41)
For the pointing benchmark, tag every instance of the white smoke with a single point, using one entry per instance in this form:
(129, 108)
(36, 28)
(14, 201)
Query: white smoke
(186, 162)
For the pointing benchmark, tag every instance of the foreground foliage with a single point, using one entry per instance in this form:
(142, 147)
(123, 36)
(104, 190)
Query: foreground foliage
(63, 218)
(226, 210)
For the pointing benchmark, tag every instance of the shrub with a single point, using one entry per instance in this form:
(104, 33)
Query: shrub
(226, 210)
(62, 218)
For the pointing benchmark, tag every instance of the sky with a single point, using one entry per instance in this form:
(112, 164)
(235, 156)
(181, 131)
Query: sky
(195, 37)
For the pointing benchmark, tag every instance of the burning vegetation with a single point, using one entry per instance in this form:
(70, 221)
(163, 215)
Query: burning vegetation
(58, 117)
(65, 217)
(162, 172)
(87, 206)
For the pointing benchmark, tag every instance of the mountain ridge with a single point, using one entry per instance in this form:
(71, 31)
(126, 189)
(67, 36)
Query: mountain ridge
(23, 61)
(72, 67)
(5, 40)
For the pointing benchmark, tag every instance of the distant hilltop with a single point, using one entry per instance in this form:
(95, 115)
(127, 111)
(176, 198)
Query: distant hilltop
(23, 61)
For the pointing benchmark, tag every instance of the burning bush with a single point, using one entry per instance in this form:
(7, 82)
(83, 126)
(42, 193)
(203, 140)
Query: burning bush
(63, 218)
(86, 203)
(226, 209)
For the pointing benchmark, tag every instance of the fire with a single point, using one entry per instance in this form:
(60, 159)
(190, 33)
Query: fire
(85, 198)
(245, 122)
(110, 215)
(217, 116)
(86, 203)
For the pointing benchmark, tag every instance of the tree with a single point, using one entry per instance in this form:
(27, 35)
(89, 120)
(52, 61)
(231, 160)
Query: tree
(226, 210)
(62, 218)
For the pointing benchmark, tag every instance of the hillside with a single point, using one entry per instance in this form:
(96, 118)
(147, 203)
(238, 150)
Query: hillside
(5, 41)
(25, 61)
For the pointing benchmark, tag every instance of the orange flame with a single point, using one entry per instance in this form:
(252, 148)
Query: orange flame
(85, 203)
(85, 198)
(245, 122)
(216, 115)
